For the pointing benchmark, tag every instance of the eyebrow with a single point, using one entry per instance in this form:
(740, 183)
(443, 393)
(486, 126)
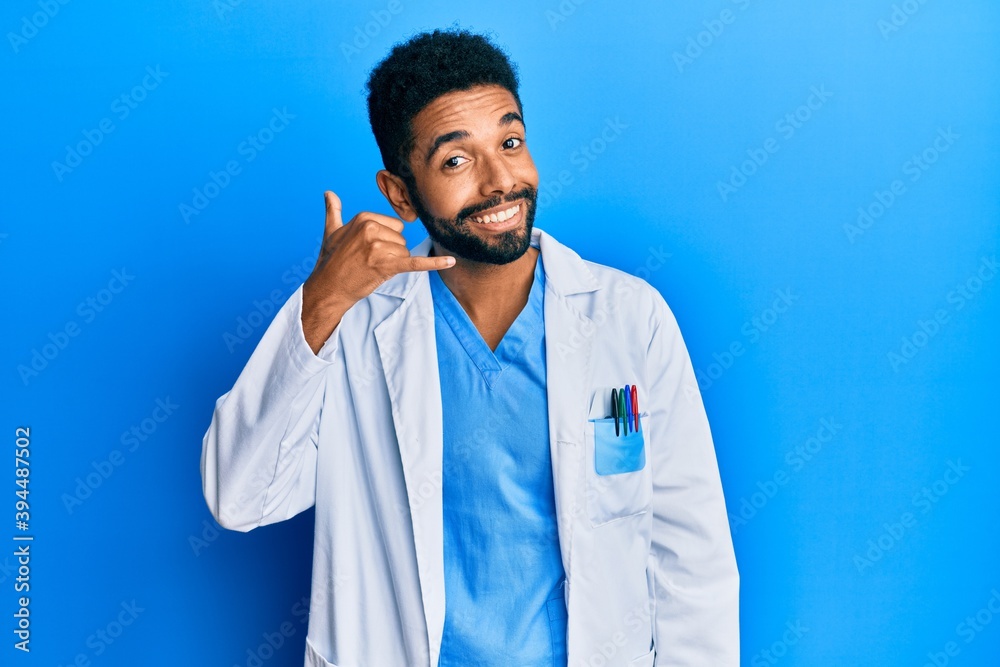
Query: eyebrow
(506, 119)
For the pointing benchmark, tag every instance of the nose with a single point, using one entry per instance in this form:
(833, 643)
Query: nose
(496, 177)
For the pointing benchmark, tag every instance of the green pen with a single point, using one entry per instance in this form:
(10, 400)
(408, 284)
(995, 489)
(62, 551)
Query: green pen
(621, 410)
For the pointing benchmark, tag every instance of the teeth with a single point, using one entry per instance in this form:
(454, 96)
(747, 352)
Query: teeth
(499, 217)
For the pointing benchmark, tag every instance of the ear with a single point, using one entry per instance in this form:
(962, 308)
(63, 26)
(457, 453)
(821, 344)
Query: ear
(394, 190)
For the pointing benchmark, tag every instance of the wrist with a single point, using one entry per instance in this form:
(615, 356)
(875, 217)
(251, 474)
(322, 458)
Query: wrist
(317, 304)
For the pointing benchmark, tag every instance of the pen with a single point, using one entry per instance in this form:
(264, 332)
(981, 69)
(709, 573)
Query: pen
(635, 406)
(628, 409)
(621, 408)
(614, 408)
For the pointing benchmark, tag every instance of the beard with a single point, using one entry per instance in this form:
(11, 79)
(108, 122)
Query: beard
(456, 236)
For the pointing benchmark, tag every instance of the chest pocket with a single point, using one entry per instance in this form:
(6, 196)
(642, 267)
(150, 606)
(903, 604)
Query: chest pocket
(619, 481)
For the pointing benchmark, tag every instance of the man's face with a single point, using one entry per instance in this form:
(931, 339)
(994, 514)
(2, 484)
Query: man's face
(471, 165)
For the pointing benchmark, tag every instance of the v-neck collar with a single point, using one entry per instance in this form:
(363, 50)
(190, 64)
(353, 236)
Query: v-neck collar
(491, 363)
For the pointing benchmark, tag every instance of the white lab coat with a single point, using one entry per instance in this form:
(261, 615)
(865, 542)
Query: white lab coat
(357, 431)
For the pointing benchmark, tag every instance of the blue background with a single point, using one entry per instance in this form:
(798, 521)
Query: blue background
(841, 546)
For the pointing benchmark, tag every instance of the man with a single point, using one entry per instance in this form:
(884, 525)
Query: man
(448, 411)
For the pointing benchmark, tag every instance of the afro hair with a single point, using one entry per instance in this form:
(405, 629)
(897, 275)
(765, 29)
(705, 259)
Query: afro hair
(420, 70)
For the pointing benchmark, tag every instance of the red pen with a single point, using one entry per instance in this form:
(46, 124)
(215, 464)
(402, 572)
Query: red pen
(635, 406)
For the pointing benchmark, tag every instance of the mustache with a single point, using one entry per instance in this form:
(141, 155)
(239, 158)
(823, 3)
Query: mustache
(528, 194)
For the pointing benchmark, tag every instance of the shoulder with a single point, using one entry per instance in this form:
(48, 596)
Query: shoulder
(631, 295)
(576, 274)
(606, 292)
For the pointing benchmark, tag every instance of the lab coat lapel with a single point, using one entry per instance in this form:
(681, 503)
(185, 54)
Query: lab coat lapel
(408, 349)
(568, 359)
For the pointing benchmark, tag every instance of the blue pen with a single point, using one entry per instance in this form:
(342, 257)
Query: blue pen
(628, 409)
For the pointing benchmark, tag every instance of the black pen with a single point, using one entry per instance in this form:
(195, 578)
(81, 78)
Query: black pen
(614, 408)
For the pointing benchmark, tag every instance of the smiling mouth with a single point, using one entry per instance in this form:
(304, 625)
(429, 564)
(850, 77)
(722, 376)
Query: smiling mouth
(501, 216)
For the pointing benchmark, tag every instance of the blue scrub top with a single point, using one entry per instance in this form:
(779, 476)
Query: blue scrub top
(503, 571)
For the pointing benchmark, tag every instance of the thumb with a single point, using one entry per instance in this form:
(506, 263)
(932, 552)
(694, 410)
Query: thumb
(333, 207)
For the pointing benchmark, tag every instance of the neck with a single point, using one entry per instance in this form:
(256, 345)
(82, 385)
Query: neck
(488, 290)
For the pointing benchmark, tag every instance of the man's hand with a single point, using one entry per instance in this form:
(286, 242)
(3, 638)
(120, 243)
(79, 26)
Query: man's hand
(354, 260)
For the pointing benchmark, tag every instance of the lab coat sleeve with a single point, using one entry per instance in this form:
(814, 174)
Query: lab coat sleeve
(696, 582)
(258, 458)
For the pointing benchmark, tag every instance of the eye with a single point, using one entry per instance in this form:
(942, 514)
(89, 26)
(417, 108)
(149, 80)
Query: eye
(451, 164)
(508, 140)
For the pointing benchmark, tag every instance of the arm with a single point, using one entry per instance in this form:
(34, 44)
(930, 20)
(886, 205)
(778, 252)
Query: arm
(258, 459)
(696, 582)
